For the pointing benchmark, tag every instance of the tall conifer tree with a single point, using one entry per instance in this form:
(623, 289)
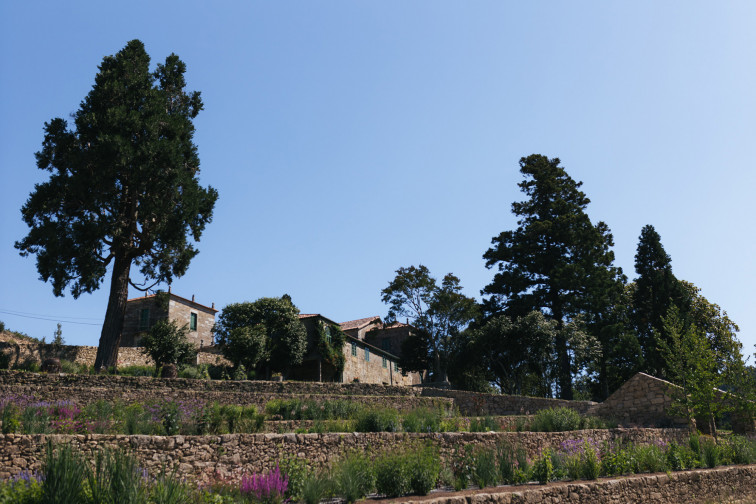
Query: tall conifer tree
(556, 261)
(123, 188)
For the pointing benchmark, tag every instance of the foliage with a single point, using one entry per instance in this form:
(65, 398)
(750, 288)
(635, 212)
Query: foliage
(485, 424)
(115, 473)
(563, 419)
(315, 488)
(485, 473)
(556, 261)
(377, 420)
(656, 291)
(392, 475)
(268, 488)
(285, 339)
(354, 477)
(422, 420)
(691, 365)
(166, 343)
(516, 349)
(543, 468)
(64, 471)
(439, 312)
(330, 343)
(123, 188)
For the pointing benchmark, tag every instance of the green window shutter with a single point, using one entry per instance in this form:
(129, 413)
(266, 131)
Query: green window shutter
(396, 367)
(144, 319)
(193, 322)
(328, 334)
(384, 362)
(354, 349)
(367, 354)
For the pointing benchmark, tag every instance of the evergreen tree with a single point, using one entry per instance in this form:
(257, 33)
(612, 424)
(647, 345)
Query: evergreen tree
(556, 261)
(656, 290)
(123, 188)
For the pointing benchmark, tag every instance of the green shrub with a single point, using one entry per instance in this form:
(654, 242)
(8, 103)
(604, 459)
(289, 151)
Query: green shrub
(354, 477)
(422, 420)
(35, 420)
(377, 420)
(168, 488)
(485, 424)
(543, 468)
(134, 419)
(710, 453)
(296, 470)
(424, 470)
(680, 457)
(11, 418)
(166, 343)
(315, 487)
(66, 366)
(25, 489)
(507, 461)
(392, 475)
(742, 449)
(591, 464)
(64, 471)
(556, 420)
(485, 472)
(115, 474)
(648, 458)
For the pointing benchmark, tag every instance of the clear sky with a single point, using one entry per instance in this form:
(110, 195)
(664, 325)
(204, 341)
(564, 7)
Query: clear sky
(348, 139)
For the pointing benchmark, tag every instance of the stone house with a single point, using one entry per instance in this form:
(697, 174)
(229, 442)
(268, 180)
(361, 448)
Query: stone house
(363, 362)
(144, 312)
(373, 331)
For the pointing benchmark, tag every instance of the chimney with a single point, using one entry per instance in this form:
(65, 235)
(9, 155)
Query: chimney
(192, 298)
(213, 306)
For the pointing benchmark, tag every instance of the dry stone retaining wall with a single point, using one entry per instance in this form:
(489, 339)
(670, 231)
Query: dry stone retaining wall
(726, 484)
(473, 403)
(234, 454)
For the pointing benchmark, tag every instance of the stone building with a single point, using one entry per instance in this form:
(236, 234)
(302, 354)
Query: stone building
(144, 312)
(363, 362)
(387, 337)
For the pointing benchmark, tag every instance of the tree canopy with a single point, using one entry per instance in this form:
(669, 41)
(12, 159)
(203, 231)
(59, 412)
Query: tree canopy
(266, 333)
(555, 261)
(123, 187)
(439, 312)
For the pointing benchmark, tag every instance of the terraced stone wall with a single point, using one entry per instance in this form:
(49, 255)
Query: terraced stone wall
(234, 454)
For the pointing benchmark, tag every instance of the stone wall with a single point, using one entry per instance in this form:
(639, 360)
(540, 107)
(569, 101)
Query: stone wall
(642, 400)
(21, 352)
(725, 484)
(473, 403)
(357, 368)
(234, 454)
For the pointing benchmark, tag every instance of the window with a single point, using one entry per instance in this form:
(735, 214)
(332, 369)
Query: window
(144, 319)
(193, 322)
(384, 362)
(328, 334)
(354, 349)
(367, 354)
(386, 344)
(396, 367)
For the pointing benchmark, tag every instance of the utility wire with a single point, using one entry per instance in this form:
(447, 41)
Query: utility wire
(19, 312)
(50, 319)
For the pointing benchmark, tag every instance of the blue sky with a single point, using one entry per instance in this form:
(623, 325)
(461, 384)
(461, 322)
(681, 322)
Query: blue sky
(348, 139)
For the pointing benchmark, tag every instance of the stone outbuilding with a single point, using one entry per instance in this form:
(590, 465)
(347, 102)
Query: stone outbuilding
(144, 312)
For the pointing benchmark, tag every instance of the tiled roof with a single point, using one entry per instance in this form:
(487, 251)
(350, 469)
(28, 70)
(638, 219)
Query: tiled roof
(359, 323)
(174, 296)
(313, 315)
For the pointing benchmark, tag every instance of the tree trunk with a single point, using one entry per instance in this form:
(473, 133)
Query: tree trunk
(564, 371)
(110, 337)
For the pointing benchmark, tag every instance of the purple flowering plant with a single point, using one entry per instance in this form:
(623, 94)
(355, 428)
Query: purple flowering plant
(268, 488)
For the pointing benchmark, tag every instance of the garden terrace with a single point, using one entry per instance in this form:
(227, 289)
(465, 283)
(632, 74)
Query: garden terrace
(199, 457)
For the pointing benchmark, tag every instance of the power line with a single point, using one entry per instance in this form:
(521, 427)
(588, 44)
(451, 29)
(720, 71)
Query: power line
(61, 320)
(19, 312)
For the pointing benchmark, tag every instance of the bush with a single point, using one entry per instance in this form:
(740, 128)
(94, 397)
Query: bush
(710, 453)
(543, 468)
(485, 424)
(424, 470)
(166, 343)
(591, 464)
(507, 459)
(64, 472)
(10, 416)
(422, 420)
(743, 450)
(485, 472)
(354, 477)
(315, 487)
(137, 371)
(377, 420)
(556, 420)
(392, 475)
(116, 473)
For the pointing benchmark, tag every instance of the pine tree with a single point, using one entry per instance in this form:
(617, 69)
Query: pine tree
(123, 188)
(656, 290)
(556, 261)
